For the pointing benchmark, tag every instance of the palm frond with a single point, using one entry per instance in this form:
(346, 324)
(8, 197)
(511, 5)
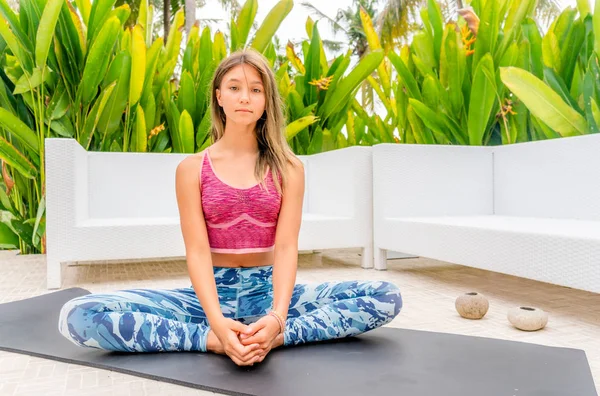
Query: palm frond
(333, 46)
(334, 23)
(233, 6)
(397, 20)
(545, 12)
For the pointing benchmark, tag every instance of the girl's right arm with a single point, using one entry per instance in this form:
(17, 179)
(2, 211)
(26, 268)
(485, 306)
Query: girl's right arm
(195, 237)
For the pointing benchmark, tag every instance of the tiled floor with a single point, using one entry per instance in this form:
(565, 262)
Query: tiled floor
(429, 289)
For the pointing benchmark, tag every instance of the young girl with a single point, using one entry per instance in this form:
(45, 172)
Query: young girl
(240, 206)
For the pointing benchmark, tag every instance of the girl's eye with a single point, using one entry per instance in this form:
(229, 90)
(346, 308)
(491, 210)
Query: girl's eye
(257, 90)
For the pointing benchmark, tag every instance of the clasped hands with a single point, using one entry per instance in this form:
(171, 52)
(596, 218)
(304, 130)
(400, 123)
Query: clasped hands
(248, 344)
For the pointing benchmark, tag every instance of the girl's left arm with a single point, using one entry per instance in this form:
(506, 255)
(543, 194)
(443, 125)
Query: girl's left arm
(286, 239)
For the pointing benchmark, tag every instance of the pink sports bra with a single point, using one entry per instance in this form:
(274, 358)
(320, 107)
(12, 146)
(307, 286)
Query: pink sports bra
(238, 220)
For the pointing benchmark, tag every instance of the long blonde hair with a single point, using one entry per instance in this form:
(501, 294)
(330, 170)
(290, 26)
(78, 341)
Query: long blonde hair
(274, 150)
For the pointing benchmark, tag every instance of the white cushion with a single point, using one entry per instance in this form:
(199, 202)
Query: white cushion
(128, 221)
(564, 252)
(312, 217)
(532, 225)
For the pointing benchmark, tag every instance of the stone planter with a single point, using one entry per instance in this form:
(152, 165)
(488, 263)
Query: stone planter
(528, 318)
(472, 305)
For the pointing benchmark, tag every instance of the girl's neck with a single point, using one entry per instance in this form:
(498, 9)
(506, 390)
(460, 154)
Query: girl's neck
(239, 138)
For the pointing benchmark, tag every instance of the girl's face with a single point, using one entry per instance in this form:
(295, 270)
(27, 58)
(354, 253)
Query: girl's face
(242, 95)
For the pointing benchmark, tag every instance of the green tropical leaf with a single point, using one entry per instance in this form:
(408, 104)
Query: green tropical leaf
(152, 56)
(22, 228)
(543, 102)
(59, 104)
(140, 137)
(595, 112)
(138, 65)
(531, 32)
(233, 34)
(142, 20)
(575, 39)
(348, 84)
(313, 66)
(206, 51)
(483, 95)
(512, 25)
(487, 35)
(452, 69)
(375, 44)
(187, 95)
(63, 127)
(5, 201)
(28, 82)
(203, 130)
(405, 75)
(112, 114)
(316, 143)
(431, 93)
(271, 24)
(219, 48)
(589, 101)
(584, 8)
(93, 118)
(173, 116)
(98, 58)
(84, 7)
(424, 52)
(12, 20)
(15, 46)
(298, 125)
(432, 120)
(122, 13)
(186, 131)
(245, 19)
(45, 31)
(558, 85)
(551, 51)
(98, 14)
(174, 38)
(8, 238)
(421, 134)
(19, 130)
(149, 103)
(203, 91)
(38, 221)
(14, 158)
(436, 20)
(596, 23)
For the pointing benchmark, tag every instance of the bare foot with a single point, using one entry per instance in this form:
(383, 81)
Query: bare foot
(213, 344)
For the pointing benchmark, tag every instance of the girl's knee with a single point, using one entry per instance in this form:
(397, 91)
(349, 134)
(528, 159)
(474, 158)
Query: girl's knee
(73, 319)
(64, 319)
(389, 294)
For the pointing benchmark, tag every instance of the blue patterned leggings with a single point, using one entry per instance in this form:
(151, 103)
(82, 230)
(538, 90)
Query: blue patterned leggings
(152, 320)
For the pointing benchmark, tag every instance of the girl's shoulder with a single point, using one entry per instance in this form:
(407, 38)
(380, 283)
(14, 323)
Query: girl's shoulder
(295, 170)
(295, 164)
(191, 164)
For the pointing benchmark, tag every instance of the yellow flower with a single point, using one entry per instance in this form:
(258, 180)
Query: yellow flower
(322, 83)
(468, 39)
(156, 130)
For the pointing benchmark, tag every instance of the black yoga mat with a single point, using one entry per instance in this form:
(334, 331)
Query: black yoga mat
(385, 361)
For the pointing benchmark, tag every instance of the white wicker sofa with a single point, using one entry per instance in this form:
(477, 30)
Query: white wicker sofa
(530, 209)
(117, 206)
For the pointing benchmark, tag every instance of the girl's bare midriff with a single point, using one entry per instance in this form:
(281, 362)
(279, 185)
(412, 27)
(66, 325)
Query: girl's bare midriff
(242, 260)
